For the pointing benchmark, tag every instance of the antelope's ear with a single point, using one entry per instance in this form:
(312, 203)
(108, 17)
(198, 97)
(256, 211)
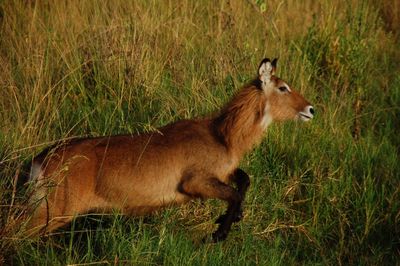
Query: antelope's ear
(266, 70)
(274, 63)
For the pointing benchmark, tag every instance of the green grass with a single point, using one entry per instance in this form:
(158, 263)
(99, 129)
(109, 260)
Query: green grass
(322, 193)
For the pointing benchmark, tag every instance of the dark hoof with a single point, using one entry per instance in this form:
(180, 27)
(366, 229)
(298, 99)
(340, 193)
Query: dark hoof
(219, 236)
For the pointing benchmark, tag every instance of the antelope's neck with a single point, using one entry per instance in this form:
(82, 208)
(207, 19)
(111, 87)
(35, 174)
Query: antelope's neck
(242, 123)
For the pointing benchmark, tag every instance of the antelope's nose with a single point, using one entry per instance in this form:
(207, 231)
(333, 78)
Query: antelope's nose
(311, 110)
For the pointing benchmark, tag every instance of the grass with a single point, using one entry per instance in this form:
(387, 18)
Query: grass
(322, 193)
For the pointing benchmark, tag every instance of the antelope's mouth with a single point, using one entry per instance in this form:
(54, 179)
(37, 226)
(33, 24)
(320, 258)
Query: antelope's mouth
(305, 117)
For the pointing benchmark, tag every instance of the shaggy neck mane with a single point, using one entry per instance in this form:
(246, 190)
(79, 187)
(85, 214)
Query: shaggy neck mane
(238, 125)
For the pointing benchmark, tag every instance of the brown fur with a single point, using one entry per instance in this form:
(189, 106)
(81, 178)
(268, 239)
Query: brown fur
(138, 174)
(238, 123)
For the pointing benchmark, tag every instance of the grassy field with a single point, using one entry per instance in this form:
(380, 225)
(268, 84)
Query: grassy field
(322, 193)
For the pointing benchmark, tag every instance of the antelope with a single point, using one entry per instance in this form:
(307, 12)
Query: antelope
(182, 161)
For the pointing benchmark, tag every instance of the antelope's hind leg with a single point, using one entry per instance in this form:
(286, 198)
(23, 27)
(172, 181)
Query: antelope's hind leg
(42, 222)
(211, 187)
(56, 210)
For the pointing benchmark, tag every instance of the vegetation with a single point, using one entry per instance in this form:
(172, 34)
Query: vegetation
(322, 193)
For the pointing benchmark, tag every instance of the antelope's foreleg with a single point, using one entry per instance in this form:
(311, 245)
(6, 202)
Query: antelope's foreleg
(214, 188)
(242, 181)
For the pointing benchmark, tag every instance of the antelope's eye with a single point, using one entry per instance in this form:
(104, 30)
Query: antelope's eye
(283, 89)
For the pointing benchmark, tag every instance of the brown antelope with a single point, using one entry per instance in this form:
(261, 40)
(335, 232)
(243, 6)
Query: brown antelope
(188, 159)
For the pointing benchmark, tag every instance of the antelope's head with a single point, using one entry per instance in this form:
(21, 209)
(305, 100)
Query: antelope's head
(283, 103)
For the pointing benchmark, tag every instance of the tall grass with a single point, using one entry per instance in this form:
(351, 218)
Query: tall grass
(324, 193)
